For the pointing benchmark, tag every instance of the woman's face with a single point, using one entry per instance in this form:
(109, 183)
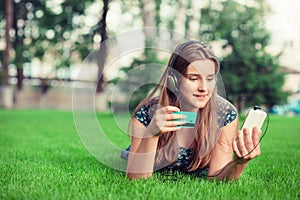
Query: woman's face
(198, 85)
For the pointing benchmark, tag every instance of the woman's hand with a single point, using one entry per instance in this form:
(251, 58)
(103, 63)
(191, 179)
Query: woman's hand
(247, 146)
(163, 120)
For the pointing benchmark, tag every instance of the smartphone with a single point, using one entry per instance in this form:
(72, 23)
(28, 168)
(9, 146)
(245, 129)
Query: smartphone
(255, 117)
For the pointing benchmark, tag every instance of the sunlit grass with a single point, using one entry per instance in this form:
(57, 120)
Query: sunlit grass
(42, 157)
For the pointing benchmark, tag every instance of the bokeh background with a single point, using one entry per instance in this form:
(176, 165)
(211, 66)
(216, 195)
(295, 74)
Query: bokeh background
(44, 43)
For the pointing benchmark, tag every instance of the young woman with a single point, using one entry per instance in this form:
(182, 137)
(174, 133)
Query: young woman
(213, 147)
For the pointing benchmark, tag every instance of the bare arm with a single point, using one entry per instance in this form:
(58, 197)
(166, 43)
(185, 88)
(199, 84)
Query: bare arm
(221, 165)
(142, 153)
(145, 139)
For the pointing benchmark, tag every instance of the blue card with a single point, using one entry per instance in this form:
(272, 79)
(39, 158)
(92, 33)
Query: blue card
(190, 119)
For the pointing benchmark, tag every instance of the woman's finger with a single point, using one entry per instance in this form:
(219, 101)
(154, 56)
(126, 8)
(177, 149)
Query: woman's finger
(174, 123)
(240, 144)
(256, 141)
(256, 135)
(170, 109)
(235, 149)
(175, 117)
(167, 129)
(248, 140)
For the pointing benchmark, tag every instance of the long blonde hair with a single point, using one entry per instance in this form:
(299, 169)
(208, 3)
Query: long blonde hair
(207, 133)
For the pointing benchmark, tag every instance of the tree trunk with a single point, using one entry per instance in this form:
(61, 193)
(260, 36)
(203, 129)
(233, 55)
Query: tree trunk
(7, 90)
(193, 19)
(20, 78)
(103, 47)
(44, 85)
(157, 12)
(148, 9)
(21, 12)
(241, 102)
(180, 19)
(148, 12)
(8, 39)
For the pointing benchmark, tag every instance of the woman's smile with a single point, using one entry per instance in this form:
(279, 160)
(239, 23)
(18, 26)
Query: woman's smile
(200, 97)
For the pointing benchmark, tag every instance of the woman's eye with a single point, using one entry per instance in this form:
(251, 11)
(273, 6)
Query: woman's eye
(210, 78)
(193, 78)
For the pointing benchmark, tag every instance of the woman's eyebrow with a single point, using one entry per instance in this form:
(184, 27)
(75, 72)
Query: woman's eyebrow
(195, 74)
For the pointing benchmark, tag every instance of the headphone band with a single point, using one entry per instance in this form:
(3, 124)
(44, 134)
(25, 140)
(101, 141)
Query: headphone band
(181, 47)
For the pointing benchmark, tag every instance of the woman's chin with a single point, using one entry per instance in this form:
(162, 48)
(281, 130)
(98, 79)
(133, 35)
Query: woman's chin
(193, 107)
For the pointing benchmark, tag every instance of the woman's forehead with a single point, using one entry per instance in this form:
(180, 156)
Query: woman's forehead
(201, 67)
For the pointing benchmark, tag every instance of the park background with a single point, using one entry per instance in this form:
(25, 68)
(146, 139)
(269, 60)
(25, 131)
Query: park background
(48, 42)
(45, 43)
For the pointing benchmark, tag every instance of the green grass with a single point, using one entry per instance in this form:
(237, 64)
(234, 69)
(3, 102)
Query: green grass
(42, 157)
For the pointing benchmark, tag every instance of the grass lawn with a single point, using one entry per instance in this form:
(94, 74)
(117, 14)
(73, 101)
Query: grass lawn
(42, 157)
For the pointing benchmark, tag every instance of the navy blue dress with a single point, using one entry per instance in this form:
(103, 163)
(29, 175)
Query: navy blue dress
(226, 114)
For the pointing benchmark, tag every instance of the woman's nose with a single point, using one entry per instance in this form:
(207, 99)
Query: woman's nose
(202, 85)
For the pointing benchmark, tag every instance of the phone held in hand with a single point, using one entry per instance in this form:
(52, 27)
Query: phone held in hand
(255, 117)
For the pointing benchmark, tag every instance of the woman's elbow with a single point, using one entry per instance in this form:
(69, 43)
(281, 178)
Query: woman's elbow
(137, 176)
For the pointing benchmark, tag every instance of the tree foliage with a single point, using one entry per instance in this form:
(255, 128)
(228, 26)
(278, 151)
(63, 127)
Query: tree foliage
(143, 73)
(141, 70)
(62, 30)
(249, 72)
(58, 30)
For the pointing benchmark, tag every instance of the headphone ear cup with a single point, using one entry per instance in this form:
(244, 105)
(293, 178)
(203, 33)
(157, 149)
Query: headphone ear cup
(172, 83)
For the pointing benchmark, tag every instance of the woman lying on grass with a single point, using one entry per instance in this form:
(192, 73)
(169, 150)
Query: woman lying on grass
(160, 139)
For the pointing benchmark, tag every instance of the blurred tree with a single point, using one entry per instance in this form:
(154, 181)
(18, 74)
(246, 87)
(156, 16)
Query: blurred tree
(7, 94)
(63, 32)
(180, 17)
(20, 18)
(103, 47)
(139, 78)
(149, 14)
(138, 69)
(249, 72)
(8, 40)
(2, 38)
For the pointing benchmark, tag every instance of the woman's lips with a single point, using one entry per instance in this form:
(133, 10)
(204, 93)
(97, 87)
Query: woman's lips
(200, 96)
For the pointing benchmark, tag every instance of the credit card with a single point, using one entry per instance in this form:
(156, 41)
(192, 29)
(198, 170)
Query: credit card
(190, 119)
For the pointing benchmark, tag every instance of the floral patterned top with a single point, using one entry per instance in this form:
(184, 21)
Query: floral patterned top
(226, 114)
